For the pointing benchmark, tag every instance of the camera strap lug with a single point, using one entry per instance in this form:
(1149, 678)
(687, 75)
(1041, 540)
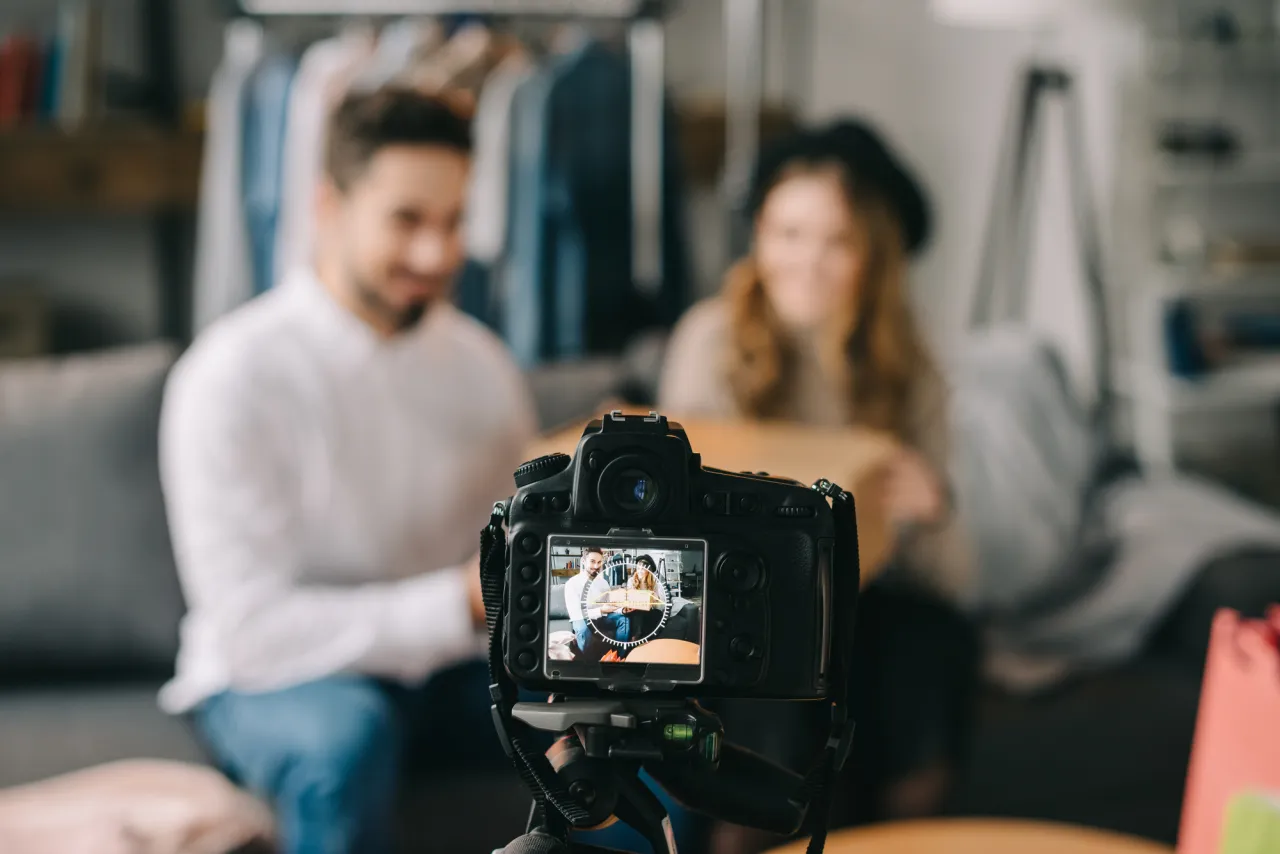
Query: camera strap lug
(827, 488)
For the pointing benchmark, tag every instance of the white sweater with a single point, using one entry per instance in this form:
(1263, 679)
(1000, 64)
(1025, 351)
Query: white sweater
(324, 488)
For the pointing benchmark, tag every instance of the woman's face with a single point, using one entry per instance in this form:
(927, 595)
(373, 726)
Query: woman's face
(809, 250)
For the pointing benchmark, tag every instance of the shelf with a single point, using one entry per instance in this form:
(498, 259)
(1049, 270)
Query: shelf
(1175, 281)
(121, 169)
(1205, 61)
(1256, 383)
(1262, 168)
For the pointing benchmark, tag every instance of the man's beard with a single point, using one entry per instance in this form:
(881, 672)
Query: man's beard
(400, 319)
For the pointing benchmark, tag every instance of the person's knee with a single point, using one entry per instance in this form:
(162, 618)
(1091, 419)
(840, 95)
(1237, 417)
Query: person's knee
(347, 750)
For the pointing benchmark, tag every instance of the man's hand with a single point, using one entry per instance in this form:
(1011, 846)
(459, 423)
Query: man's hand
(476, 592)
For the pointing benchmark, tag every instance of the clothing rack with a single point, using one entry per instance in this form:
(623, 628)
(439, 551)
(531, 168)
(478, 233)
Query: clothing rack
(646, 42)
(522, 8)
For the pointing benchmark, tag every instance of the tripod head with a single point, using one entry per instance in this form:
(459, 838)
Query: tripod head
(605, 743)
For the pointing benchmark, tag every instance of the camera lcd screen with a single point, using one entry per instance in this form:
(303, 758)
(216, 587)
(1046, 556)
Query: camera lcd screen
(628, 606)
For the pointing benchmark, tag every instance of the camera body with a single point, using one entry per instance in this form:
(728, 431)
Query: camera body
(632, 568)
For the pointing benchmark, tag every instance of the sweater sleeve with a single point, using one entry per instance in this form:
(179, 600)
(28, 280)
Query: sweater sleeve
(939, 556)
(232, 492)
(693, 382)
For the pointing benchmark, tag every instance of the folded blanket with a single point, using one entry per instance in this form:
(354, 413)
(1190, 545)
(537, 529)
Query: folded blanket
(134, 807)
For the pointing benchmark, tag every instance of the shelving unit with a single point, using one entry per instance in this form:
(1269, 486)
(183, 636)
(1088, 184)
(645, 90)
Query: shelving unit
(124, 169)
(1200, 70)
(146, 166)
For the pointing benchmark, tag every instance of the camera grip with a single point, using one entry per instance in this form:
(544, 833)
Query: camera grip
(747, 789)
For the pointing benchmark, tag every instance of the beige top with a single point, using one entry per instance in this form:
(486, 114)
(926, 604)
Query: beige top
(694, 383)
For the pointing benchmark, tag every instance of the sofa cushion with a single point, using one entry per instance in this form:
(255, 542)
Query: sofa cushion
(55, 730)
(557, 609)
(87, 578)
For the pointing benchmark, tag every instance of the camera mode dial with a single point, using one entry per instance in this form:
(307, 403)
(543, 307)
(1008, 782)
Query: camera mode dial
(541, 469)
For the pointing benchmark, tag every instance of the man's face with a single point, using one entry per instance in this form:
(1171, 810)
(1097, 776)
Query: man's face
(592, 562)
(397, 231)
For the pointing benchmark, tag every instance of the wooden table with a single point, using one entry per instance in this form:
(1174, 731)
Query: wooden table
(850, 457)
(979, 836)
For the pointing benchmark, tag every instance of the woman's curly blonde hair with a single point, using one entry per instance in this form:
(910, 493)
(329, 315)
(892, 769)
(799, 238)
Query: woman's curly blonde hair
(876, 351)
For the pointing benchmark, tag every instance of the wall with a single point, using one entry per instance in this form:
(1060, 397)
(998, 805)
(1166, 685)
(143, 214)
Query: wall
(942, 95)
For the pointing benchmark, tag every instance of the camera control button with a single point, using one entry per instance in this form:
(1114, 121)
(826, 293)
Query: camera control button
(532, 503)
(529, 573)
(748, 503)
(528, 602)
(740, 573)
(742, 647)
(716, 502)
(526, 660)
(531, 543)
(559, 503)
(528, 630)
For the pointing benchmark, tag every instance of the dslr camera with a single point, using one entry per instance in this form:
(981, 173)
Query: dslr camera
(632, 567)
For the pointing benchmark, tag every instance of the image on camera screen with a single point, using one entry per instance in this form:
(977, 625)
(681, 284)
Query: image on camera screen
(625, 601)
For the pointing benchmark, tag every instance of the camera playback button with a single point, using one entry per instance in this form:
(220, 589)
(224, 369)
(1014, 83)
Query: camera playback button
(740, 573)
(528, 603)
(742, 648)
(527, 660)
(528, 631)
(530, 543)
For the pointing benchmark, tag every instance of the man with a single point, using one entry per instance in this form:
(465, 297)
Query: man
(589, 574)
(329, 454)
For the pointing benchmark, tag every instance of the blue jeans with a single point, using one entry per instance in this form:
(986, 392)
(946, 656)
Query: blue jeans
(621, 629)
(329, 754)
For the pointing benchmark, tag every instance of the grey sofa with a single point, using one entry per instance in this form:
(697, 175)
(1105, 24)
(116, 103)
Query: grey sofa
(89, 599)
(89, 608)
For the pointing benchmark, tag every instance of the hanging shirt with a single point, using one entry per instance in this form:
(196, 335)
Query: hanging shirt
(223, 271)
(326, 486)
(324, 73)
(491, 154)
(266, 104)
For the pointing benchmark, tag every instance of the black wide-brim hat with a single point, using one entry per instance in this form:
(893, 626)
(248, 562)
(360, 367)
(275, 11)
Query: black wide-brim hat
(861, 150)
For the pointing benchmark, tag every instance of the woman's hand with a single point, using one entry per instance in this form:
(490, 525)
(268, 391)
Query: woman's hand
(911, 490)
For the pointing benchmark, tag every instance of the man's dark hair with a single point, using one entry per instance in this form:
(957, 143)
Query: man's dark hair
(366, 122)
(592, 550)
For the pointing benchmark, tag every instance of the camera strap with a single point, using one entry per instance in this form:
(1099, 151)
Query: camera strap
(846, 580)
(532, 765)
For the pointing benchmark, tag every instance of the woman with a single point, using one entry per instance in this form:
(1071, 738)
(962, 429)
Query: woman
(814, 327)
(645, 576)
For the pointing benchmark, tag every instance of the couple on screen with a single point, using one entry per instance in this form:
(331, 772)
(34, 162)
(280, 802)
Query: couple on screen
(592, 605)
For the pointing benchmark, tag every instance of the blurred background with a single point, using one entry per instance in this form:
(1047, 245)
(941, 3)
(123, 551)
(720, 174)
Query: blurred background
(1151, 132)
